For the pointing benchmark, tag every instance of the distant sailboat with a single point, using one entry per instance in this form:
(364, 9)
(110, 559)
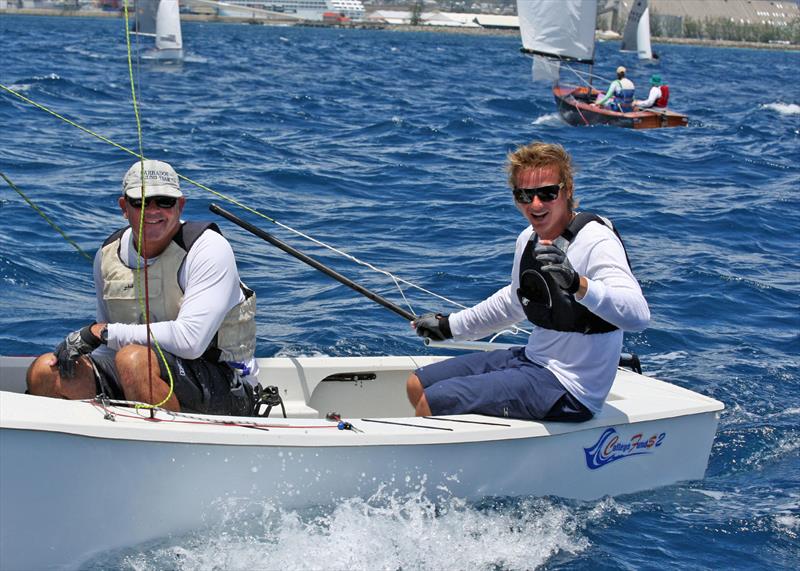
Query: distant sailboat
(560, 38)
(160, 19)
(636, 36)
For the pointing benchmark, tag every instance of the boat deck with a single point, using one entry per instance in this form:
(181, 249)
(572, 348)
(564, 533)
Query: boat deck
(313, 387)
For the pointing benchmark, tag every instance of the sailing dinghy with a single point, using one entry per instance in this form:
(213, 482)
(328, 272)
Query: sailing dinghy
(636, 35)
(556, 38)
(161, 20)
(77, 477)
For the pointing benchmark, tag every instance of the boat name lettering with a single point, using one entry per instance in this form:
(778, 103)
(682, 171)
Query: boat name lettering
(610, 447)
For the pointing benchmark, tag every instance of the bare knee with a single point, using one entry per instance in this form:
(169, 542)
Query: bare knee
(42, 376)
(44, 379)
(414, 389)
(132, 362)
(423, 408)
(416, 396)
(131, 358)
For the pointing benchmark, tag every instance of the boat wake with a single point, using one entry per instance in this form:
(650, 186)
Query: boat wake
(194, 58)
(783, 108)
(388, 531)
(551, 119)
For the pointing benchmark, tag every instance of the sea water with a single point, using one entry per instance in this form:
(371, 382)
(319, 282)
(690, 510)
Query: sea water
(391, 146)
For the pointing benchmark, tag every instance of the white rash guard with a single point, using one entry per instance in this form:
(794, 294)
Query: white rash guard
(584, 364)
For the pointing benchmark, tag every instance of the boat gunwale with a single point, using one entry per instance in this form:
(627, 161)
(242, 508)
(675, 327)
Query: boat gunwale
(88, 421)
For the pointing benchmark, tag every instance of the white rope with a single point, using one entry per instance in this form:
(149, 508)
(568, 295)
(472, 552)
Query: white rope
(396, 279)
(514, 330)
(584, 74)
(139, 408)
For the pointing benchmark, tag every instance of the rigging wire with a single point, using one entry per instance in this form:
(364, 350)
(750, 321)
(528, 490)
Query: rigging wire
(583, 74)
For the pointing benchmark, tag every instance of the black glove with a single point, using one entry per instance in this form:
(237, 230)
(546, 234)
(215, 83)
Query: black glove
(555, 262)
(434, 326)
(77, 343)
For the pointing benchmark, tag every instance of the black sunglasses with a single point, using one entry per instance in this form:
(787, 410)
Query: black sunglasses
(161, 201)
(544, 193)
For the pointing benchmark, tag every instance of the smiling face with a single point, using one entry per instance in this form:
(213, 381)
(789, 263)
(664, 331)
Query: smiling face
(548, 219)
(160, 224)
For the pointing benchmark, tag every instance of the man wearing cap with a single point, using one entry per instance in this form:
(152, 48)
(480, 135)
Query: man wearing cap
(201, 340)
(658, 96)
(619, 95)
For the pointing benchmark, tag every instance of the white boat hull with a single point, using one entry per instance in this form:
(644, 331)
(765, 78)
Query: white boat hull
(73, 482)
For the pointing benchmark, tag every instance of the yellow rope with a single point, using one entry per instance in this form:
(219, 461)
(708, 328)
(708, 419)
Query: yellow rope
(140, 250)
(241, 205)
(134, 153)
(47, 219)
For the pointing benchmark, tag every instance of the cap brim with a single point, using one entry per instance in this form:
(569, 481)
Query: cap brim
(136, 191)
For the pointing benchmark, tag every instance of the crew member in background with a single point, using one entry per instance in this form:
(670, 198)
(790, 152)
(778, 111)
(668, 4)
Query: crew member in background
(571, 279)
(619, 95)
(201, 315)
(658, 96)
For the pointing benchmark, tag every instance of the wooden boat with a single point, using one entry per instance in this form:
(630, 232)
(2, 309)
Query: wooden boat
(575, 107)
(560, 38)
(77, 477)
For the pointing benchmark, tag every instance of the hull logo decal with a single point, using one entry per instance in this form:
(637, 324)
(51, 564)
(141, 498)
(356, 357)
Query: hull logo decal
(610, 447)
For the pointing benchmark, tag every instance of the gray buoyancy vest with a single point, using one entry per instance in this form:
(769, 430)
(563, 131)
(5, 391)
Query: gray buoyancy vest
(235, 339)
(544, 302)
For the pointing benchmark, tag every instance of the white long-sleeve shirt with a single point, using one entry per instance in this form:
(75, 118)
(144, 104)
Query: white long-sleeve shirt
(210, 282)
(652, 97)
(584, 364)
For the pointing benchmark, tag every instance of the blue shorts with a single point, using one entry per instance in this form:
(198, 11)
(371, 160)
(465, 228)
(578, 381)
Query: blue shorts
(498, 383)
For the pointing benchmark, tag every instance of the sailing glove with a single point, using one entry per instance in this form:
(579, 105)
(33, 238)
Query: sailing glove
(555, 262)
(77, 343)
(434, 326)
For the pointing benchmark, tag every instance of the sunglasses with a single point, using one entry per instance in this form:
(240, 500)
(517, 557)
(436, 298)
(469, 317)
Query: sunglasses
(544, 193)
(161, 201)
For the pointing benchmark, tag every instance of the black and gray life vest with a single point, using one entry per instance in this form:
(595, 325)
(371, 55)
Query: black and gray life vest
(235, 339)
(544, 302)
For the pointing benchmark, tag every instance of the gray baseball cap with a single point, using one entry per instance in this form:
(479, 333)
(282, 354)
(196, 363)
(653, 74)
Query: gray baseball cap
(160, 179)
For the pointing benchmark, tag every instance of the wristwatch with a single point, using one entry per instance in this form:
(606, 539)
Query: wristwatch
(104, 335)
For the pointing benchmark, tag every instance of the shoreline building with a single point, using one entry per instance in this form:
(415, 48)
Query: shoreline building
(671, 14)
(300, 9)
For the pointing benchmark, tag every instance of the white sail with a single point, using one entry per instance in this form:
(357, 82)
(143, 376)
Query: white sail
(643, 36)
(563, 29)
(168, 26)
(636, 36)
(145, 23)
